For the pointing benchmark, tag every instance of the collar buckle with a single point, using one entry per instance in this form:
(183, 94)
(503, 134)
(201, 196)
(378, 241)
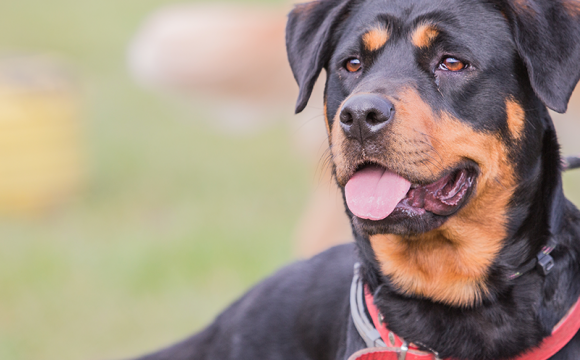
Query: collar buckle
(404, 348)
(545, 263)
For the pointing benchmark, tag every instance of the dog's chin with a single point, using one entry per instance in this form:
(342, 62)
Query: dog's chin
(401, 223)
(425, 207)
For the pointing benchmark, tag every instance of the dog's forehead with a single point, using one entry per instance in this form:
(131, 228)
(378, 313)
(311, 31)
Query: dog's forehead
(409, 10)
(467, 18)
(473, 23)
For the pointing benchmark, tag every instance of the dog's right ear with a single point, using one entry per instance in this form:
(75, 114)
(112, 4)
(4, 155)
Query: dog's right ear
(309, 41)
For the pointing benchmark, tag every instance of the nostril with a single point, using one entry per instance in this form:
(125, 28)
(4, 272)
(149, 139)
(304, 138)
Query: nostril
(373, 118)
(346, 117)
(378, 116)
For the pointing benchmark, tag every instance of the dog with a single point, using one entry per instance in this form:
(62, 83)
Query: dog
(441, 142)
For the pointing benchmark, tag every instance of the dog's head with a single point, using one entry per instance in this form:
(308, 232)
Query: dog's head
(437, 123)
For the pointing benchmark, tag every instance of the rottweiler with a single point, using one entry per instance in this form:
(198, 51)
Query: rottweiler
(465, 245)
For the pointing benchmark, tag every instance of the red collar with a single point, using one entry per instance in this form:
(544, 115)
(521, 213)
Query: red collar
(398, 349)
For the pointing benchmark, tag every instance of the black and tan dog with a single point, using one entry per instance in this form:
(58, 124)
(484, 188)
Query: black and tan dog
(450, 167)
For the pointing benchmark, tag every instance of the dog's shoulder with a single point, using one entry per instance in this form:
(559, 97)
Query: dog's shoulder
(299, 312)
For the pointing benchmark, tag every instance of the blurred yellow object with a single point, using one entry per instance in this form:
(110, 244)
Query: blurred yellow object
(40, 162)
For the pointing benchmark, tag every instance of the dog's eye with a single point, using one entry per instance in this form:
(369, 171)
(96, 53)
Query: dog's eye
(353, 65)
(452, 64)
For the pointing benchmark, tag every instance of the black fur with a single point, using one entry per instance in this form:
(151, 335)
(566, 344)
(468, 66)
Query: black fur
(525, 49)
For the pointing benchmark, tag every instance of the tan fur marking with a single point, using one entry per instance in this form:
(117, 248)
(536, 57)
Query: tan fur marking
(326, 120)
(523, 6)
(424, 35)
(376, 38)
(337, 141)
(572, 7)
(515, 118)
(449, 264)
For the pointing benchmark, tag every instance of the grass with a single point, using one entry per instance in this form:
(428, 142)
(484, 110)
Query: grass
(175, 220)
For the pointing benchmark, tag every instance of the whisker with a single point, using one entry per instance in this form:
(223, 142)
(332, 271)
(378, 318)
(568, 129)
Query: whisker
(305, 122)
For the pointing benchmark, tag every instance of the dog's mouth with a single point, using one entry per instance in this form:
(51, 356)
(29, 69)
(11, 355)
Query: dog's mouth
(375, 193)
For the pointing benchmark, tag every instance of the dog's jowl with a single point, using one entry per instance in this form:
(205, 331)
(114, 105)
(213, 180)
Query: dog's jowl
(441, 142)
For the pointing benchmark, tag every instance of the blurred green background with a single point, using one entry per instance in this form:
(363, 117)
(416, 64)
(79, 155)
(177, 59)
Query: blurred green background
(175, 221)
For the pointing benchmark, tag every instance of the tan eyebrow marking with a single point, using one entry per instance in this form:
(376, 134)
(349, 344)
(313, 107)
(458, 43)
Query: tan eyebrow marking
(376, 38)
(424, 35)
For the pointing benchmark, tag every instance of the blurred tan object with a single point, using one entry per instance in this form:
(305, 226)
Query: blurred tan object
(40, 165)
(231, 62)
(229, 58)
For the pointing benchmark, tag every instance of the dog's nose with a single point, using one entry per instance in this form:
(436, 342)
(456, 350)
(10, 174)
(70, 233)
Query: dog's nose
(363, 116)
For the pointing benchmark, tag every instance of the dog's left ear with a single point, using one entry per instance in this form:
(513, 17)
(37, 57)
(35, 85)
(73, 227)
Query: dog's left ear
(309, 35)
(547, 36)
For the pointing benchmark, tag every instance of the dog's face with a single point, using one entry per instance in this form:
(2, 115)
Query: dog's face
(432, 110)
(431, 96)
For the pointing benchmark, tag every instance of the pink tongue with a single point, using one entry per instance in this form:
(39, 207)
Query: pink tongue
(373, 192)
